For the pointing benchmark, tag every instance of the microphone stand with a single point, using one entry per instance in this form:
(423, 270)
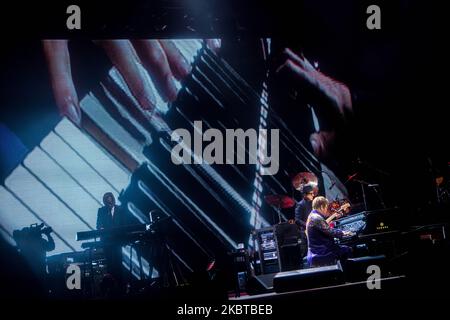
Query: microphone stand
(364, 196)
(375, 188)
(362, 183)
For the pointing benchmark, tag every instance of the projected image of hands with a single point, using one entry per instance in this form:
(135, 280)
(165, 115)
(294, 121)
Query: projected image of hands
(335, 93)
(161, 60)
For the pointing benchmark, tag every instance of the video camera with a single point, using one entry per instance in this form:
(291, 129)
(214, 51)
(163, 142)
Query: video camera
(34, 230)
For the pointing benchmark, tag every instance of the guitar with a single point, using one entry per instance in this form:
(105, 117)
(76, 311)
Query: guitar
(339, 212)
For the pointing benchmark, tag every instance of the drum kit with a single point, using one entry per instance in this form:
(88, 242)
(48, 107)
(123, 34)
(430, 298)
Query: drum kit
(299, 181)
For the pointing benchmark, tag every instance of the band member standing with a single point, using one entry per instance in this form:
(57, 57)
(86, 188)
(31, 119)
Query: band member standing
(110, 216)
(443, 189)
(322, 249)
(304, 207)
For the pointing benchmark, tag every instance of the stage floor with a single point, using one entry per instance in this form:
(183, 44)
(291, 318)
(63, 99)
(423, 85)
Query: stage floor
(390, 287)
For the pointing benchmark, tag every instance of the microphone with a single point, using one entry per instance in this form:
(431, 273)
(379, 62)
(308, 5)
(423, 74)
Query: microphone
(373, 185)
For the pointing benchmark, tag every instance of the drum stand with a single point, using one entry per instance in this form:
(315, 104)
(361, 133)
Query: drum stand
(137, 246)
(170, 273)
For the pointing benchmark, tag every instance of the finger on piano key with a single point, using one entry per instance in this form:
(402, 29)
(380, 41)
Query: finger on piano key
(115, 132)
(118, 88)
(188, 48)
(133, 119)
(105, 129)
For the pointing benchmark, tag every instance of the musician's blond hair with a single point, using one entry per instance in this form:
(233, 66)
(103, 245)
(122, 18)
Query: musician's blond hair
(319, 203)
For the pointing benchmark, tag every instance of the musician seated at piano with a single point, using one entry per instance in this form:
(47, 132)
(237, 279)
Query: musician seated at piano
(322, 248)
(110, 215)
(304, 207)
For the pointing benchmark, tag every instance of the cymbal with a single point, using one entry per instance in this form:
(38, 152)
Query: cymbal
(280, 201)
(304, 178)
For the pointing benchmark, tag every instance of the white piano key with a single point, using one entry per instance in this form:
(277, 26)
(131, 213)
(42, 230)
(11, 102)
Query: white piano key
(93, 108)
(195, 44)
(14, 216)
(183, 50)
(186, 50)
(115, 75)
(125, 114)
(93, 154)
(41, 201)
(161, 105)
(85, 205)
(85, 174)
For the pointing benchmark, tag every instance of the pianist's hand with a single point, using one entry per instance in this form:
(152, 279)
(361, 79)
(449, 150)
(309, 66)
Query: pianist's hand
(336, 93)
(161, 60)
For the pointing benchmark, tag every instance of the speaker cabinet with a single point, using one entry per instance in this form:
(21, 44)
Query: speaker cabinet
(308, 278)
(355, 269)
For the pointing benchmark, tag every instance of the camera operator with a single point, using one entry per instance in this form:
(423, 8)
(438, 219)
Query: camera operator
(33, 243)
